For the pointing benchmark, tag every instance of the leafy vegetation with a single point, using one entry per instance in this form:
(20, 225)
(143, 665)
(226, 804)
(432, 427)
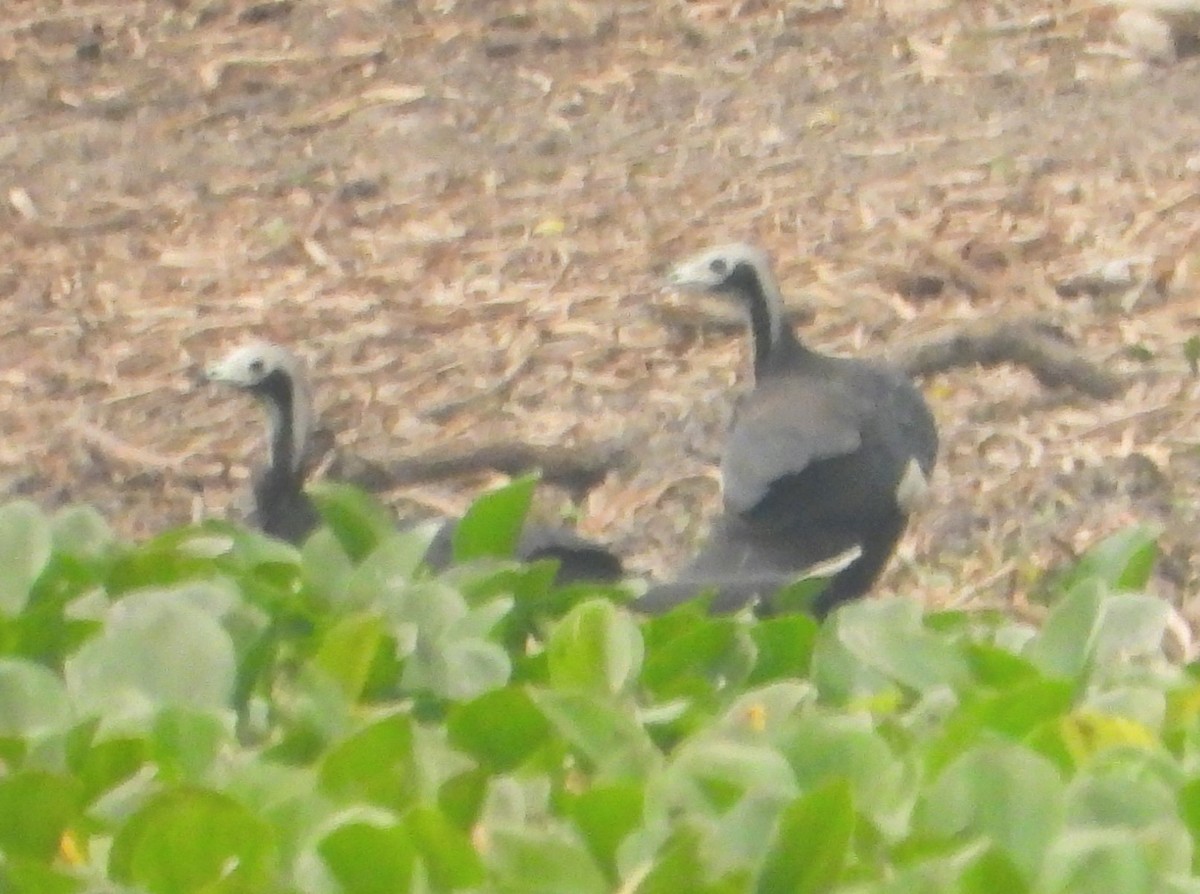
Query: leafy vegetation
(213, 711)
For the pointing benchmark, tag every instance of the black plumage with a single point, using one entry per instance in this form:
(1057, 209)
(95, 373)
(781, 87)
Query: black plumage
(282, 509)
(826, 454)
(276, 377)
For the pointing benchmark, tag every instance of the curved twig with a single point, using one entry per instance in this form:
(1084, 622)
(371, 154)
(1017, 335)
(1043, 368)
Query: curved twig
(1030, 343)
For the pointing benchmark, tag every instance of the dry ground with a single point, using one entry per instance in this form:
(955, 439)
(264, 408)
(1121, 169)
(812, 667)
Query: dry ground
(459, 211)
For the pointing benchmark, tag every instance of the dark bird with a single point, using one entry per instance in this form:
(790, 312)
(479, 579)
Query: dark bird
(275, 376)
(281, 508)
(825, 454)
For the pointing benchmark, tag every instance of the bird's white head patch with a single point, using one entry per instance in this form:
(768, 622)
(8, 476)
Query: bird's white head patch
(712, 268)
(252, 367)
(249, 365)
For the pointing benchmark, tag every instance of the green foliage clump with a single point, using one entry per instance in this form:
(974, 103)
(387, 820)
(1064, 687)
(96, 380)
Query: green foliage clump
(213, 711)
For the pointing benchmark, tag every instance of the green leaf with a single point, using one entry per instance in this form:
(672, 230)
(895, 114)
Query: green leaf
(678, 866)
(357, 520)
(101, 764)
(811, 842)
(326, 567)
(461, 797)
(696, 653)
(500, 729)
(798, 596)
(608, 738)
(888, 635)
(33, 701)
(993, 666)
(369, 856)
(375, 765)
(493, 524)
(1086, 733)
(348, 650)
(37, 808)
(784, 646)
(714, 773)
(189, 839)
(24, 876)
(1014, 713)
(1091, 626)
(1064, 645)
(990, 873)
(154, 653)
(1122, 561)
(445, 851)
(25, 549)
(185, 743)
(1189, 807)
(80, 531)
(184, 555)
(596, 647)
(1086, 861)
(821, 746)
(605, 815)
(529, 861)
(383, 577)
(1005, 793)
(457, 668)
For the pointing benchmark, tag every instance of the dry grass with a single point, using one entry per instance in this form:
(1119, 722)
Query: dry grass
(459, 212)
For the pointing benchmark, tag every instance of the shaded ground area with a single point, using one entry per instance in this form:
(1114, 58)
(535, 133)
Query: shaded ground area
(460, 211)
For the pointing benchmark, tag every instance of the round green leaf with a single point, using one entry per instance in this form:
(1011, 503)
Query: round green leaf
(357, 520)
(1005, 793)
(81, 531)
(888, 636)
(493, 524)
(607, 737)
(529, 861)
(194, 840)
(369, 857)
(445, 850)
(605, 814)
(348, 650)
(811, 842)
(500, 728)
(153, 653)
(37, 807)
(375, 764)
(25, 544)
(596, 647)
(33, 701)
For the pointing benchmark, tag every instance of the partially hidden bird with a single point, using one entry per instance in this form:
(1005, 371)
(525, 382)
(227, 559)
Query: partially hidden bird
(281, 508)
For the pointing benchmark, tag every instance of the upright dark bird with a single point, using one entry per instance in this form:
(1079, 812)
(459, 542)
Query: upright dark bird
(825, 454)
(276, 377)
(282, 509)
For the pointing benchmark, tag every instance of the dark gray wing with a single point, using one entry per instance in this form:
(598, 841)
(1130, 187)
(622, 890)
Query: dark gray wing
(780, 428)
(579, 559)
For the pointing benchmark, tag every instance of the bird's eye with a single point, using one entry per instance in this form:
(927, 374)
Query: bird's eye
(719, 267)
(257, 367)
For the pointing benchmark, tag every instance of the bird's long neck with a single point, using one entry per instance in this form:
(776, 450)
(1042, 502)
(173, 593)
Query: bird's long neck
(287, 413)
(756, 287)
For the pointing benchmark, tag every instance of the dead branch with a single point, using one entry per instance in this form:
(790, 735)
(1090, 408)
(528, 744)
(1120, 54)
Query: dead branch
(577, 469)
(1029, 343)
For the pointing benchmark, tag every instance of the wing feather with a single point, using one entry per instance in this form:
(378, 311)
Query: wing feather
(780, 429)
